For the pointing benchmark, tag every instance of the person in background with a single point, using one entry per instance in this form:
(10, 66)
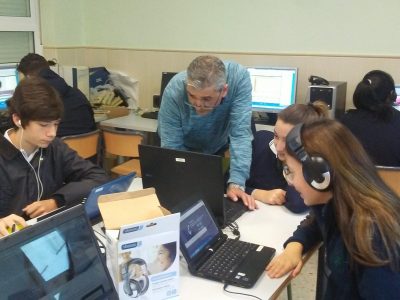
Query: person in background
(266, 182)
(353, 213)
(78, 114)
(39, 172)
(375, 122)
(208, 109)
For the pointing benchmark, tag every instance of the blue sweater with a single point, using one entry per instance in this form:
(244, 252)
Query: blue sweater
(266, 172)
(345, 281)
(181, 128)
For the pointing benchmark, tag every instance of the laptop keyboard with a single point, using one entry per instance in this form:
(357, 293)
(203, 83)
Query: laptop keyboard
(233, 210)
(226, 259)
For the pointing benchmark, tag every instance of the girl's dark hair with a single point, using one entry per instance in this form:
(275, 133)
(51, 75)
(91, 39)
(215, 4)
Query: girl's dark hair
(32, 64)
(171, 247)
(35, 100)
(376, 93)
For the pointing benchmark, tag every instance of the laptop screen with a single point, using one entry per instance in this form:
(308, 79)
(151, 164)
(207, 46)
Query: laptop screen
(57, 258)
(197, 229)
(120, 184)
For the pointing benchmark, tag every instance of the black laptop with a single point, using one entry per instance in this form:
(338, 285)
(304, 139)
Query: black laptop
(57, 258)
(210, 254)
(178, 175)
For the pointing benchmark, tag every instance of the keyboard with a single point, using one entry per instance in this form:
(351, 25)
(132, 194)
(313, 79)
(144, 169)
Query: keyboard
(227, 258)
(150, 115)
(233, 210)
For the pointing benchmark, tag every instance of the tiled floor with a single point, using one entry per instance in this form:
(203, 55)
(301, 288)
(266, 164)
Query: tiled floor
(303, 286)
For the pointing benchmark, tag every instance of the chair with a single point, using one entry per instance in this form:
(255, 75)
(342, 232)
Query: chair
(85, 144)
(123, 144)
(391, 176)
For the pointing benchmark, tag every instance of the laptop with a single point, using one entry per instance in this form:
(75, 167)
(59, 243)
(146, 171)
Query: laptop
(210, 254)
(177, 175)
(120, 184)
(57, 258)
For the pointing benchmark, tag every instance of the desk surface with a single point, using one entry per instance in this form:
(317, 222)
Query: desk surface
(131, 122)
(269, 226)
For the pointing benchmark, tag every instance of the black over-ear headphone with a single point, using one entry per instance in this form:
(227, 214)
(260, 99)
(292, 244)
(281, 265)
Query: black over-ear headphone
(316, 170)
(135, 287)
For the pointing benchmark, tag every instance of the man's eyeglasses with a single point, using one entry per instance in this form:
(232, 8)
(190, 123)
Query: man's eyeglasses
(287, 174)
(206, 105)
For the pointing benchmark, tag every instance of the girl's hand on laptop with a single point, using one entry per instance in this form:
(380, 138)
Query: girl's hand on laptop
(39, 208)
(10, 223)
(290, 259)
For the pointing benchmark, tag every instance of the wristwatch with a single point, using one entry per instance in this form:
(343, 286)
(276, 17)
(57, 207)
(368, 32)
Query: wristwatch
(236, 186)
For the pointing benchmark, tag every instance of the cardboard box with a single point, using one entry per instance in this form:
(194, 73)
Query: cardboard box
(115, 111)
(142, 245)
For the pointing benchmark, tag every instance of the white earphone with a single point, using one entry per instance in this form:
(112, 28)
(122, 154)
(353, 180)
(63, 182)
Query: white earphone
(39, 183)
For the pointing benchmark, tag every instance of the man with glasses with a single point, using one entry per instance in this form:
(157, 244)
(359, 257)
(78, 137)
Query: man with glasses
(207, 108)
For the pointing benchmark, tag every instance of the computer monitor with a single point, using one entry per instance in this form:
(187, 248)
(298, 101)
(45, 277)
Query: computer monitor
(274, 88)
(165, 78)
(8, 82)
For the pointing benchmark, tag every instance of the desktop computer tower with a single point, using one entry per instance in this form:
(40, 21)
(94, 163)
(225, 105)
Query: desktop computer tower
(334, 95)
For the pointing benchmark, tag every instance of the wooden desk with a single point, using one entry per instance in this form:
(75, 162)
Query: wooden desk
(269, 226)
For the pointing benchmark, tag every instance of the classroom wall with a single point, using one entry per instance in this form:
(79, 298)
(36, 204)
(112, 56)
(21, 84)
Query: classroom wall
(336, 40)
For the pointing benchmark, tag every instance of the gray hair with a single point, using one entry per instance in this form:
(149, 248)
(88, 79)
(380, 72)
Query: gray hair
(206, 71)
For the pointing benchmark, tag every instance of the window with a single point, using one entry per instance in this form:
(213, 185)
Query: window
(20, 30)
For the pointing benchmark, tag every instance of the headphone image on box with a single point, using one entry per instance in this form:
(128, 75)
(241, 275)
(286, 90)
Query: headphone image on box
(134, 285)
(316, 170)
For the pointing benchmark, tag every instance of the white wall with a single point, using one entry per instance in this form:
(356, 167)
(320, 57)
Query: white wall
(361, 27)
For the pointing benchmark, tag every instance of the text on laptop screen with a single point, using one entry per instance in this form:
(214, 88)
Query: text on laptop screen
(273, 88)
(8, 82)
(56, 262)
(197, 229)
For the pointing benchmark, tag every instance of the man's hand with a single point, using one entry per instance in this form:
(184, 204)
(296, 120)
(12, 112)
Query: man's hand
(234, 192)
(273, 197)
(39, 208)
(9, 222)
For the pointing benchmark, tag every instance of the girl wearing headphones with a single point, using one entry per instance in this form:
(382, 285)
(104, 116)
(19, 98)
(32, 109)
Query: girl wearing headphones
(266, 182)
(375, 122)
(38, 172)
(353, 213)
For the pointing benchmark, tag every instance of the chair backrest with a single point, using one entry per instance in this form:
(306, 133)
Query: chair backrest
(391, 176)
(85, 144)
(122, 143)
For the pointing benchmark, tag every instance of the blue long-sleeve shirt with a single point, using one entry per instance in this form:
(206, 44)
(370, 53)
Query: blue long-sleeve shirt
(229, 123)
(345, 281)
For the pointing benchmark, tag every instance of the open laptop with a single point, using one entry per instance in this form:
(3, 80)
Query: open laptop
(178, 175)
(57, 258)
(120, 184)
(210, 254)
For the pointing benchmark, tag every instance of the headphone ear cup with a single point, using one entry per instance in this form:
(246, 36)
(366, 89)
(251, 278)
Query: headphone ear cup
(135, 288)
(144, 284)
(317, 173)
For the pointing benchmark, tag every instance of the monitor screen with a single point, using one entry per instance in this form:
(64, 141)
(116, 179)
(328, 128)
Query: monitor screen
(8, 82)
(274, 88)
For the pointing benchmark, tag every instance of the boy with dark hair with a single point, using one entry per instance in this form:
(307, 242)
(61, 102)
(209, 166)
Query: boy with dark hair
(38, 171)
(78, 114)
